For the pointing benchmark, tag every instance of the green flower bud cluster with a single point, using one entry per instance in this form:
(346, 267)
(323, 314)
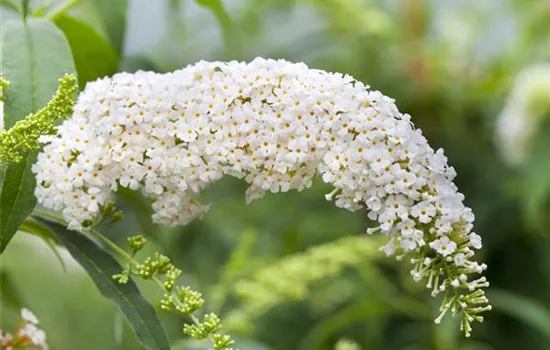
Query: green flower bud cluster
(136, 243)
(24, 135)
(210, 326)
(180, 299)
(184, 300)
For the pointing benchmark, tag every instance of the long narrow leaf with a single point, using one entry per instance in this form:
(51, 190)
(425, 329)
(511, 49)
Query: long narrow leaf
(101, 266)
(94, 56)
(524, 309)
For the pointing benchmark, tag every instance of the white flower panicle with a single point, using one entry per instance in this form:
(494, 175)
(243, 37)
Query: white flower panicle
(275, 124)
(26, 336)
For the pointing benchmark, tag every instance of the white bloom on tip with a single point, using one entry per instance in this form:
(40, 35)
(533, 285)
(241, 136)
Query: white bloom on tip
(37, 336)
(475, 240)
(443, 246)
(527, 103)
(29, 316)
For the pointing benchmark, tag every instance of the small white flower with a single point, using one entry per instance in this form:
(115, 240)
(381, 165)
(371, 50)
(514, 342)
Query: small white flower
(29, 316)
(455, 283)
(424, 211)
(388, 248)
(443, 246)
(459, 259)
(5, 338)
(475, 240)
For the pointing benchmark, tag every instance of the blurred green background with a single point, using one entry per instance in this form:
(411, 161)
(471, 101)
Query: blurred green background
(451, 64)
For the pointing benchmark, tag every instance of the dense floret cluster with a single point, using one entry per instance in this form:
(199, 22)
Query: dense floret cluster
(275, 124)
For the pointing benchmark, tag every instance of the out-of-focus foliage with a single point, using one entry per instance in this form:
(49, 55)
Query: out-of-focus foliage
(450, 64)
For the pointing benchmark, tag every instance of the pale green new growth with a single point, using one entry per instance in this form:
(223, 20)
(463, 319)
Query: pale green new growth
(291, 277)
(183, 300)
(24, 135)
(3, 86)
(346, 344)
(357, 16)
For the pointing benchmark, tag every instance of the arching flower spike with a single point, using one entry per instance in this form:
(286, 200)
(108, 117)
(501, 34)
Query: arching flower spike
(277, 125)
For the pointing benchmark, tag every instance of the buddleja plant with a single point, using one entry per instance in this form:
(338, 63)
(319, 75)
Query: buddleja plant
(273, 123)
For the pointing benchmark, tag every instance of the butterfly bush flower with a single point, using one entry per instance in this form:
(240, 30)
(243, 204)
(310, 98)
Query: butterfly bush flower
(525, 109)
(277, 125)
(26, 336)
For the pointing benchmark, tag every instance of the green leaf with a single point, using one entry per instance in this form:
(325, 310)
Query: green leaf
(10, 4)
(528, 311)
(536, 185)
(16, 198)
(113, 17)
(93, 55)
(230, 37)
(101, 267)
(38, 229)
(38, 56)
(8, 291)
(351, 314)
(25, 7)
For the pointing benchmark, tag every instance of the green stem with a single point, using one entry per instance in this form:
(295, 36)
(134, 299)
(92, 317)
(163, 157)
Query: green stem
(115, 247)
(58, 12)
(124, 254)
(195, 320)
(231, 40)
